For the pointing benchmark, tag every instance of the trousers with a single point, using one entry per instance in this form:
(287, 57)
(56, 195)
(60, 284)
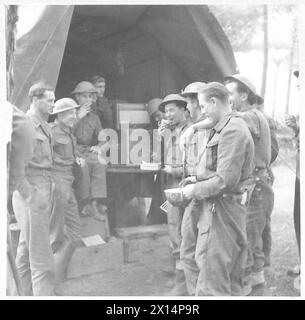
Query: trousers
(90, 180)
(174, 221)
(34, 259)
(65, 219)
(221, 247)
(258, 214)
(189, 231)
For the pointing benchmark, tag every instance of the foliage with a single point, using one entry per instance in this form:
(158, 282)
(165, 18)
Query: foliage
(240, 23)
(243, 24)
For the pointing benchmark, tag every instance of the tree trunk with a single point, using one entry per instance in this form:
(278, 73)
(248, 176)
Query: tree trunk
(265, 48)
(11, 20)
(291, 60)
(277, 65)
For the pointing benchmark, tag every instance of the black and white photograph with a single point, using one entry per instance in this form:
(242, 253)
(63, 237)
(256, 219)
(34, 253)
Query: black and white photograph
(152, 150)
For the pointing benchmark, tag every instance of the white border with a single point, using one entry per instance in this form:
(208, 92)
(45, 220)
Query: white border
(301, 21)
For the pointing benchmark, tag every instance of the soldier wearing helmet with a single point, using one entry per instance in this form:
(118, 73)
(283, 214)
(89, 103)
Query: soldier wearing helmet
(190, 220)
(91, 180)
(174, 105)
(190, 93)
(154, 113)
(244, 99)
(65, 220)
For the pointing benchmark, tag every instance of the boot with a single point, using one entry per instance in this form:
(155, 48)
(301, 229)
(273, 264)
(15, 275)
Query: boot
(86, 211)
(294, 272)
(95, 211)
(169, 270)
(258, 278)
(179, 288)
(267, 261)
(247, 286)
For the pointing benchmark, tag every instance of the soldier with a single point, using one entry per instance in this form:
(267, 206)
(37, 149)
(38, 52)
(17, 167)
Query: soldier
(189, 229)
(173, 106)
(20, 140)
(35, 260)
(154, 113)
(90, 182)
(225, 165)
(102, 107)
(269, 203)
(65, 210)
(244, 99)
(293, 122)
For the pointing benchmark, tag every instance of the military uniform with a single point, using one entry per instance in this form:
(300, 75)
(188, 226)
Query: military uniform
(34, 260)
(65, 211)
(221, 248)
(189, 230)
(91, 179)
(256, 214)
(269, 201)
(296, 208)
(103, 109)
(173, 158)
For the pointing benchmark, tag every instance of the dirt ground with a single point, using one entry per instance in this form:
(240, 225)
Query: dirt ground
(138, 279)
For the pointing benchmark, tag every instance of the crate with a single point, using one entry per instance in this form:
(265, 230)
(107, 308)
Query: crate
(89, 260)
(144, 243)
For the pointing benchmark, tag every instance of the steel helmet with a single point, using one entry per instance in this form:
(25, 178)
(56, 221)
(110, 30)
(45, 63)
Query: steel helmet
(84, 87)
(172, 98)
(245, 81)
(64, 104)
(193, 88)
(153, 105)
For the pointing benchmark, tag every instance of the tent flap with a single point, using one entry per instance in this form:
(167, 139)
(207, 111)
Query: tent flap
(39, 53)
(142, 51)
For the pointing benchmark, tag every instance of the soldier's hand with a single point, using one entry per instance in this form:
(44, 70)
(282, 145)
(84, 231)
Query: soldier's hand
(81, 162)
(291, 121)
(188, 191)
(95, 149)
(84, 110)
(188, 180)
(163, 127)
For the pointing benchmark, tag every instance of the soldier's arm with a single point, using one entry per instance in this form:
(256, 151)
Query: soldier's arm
(252, 122)
(203, 125)
(21, 152)
(188, 134)
(274, 142)
(97, 130)
(230, 158)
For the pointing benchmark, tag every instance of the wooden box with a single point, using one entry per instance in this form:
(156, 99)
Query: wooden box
(144, 243)
(88, 260)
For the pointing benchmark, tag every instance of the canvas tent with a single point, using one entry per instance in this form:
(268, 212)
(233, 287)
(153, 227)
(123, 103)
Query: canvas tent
(144, 51)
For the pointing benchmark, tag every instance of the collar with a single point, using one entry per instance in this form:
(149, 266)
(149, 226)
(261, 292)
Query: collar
(38, 121)
(35, 118)
(224, 121)
(62, 127)
(248, 107)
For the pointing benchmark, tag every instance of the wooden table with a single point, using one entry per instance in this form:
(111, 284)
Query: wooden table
(132, 190)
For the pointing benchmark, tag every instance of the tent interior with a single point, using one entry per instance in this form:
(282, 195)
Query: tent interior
(142, 51)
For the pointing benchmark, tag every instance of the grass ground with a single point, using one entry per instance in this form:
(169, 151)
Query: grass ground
(148, 279)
